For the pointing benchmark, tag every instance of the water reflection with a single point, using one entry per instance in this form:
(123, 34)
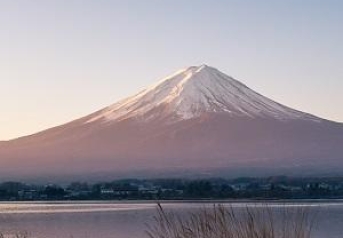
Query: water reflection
(128, 219)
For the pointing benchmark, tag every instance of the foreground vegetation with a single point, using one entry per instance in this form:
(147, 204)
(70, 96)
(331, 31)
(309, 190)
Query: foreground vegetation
(15, 235)
(227, 222)
(220, 221)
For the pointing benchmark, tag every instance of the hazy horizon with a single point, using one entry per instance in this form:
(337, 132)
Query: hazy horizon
(62, 60)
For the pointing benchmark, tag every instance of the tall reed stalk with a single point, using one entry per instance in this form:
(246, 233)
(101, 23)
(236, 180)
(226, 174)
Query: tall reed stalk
(219, 221)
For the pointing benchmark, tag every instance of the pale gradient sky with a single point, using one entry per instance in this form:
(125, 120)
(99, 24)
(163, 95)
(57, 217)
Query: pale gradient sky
(63, 59)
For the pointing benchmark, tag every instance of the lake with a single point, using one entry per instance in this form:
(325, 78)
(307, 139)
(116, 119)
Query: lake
(129, 219)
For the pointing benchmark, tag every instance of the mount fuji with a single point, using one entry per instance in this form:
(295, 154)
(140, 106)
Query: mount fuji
(196, 122)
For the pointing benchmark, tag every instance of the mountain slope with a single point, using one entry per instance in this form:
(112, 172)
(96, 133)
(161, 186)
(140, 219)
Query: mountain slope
(196, 121)
(196, 90)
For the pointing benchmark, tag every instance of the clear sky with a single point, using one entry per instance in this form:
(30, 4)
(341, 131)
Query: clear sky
(63, 59)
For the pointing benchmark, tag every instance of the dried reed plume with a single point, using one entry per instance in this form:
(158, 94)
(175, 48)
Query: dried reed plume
(258, 221)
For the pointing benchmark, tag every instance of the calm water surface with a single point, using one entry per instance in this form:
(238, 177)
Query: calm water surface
(127, 219)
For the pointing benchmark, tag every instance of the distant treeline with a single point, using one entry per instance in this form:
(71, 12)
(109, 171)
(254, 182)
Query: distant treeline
(279, 187)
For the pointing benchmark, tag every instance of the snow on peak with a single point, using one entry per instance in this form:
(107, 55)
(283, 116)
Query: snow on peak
(190, 92)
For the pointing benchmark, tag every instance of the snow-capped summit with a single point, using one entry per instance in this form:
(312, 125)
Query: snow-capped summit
(196, 121)
(190, 92)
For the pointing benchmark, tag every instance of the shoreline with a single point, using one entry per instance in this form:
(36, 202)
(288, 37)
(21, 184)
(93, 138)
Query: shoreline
(175, 201)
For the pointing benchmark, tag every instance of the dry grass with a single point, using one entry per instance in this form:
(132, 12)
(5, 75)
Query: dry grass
(15, 235)
(226, 222)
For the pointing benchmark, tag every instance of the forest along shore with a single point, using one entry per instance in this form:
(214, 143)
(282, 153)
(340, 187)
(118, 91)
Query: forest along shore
(178, 189)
